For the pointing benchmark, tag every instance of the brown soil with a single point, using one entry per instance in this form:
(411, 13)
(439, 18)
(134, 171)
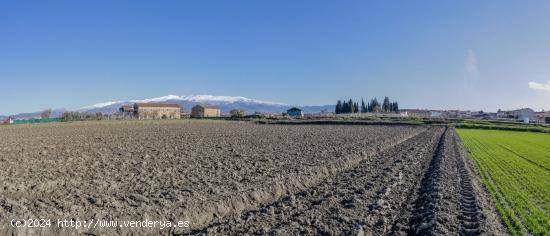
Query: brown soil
(237, 177)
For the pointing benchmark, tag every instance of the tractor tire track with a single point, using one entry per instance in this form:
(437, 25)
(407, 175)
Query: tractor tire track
(446, 203)
(471, 216)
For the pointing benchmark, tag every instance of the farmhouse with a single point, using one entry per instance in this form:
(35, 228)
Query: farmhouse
(200, 111)
(155, 111)
(295, 112)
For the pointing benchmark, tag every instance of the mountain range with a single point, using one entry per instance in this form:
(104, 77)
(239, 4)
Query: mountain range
(225, 103)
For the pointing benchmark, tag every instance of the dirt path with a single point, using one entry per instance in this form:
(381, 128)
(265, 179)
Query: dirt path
(364, 199)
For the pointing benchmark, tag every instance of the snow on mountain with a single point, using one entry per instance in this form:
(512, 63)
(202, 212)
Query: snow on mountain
(207, 99)
(99, 105)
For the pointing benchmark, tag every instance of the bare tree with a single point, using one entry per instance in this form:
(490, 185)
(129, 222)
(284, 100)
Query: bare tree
(237, 113)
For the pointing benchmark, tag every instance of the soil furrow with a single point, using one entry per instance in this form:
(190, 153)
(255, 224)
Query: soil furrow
(363, 199)
(425, 207)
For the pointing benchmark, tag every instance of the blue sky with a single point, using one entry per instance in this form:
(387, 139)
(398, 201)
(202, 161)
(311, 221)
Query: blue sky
(425, 54)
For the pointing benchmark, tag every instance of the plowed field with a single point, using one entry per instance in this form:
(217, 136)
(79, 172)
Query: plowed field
(233, 178)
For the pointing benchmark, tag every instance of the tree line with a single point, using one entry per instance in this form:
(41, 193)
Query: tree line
(350, 106)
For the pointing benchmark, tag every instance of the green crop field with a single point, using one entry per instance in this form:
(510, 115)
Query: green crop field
(515, 167)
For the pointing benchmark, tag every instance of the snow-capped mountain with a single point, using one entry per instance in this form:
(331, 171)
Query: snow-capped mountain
(226, 103)
(208, 99)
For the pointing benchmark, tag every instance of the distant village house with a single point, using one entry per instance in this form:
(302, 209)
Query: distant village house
(418, 113)
(543, 117)
(200, 111)
(523, 115)
(294, 112)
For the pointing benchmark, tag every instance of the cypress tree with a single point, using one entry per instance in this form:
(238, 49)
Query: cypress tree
(386, 105)
(338, 109)
(344, 107)
(369, 107)
(377, 108)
